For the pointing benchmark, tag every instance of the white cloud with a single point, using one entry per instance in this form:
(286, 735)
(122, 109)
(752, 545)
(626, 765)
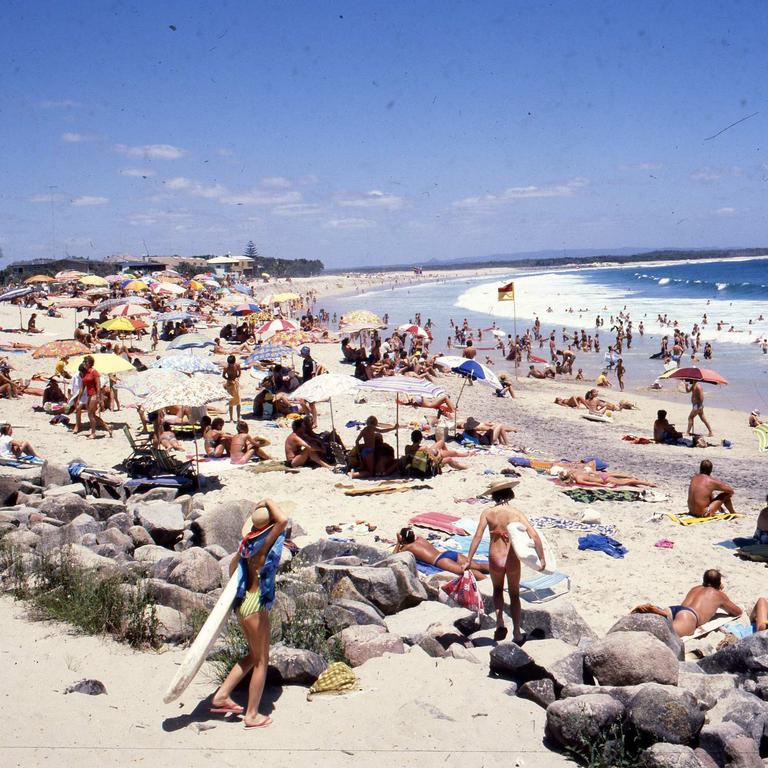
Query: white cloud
(349, 224)
(262, 197)
(709, 173)
(641, 167)
(158, 151)
(373, 199)
(490, 202)
(58, 104)
(85, 200)
(276, 182)
(224, 152)
(297, 209)
(196, 188)
(137, 172)
(149, 218)
(71, 137)
(726, 211)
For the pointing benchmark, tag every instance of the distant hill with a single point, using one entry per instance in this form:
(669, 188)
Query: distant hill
(563, 253)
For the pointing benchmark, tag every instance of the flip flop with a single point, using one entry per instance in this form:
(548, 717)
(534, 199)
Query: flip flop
(267, 722)
(500, 633)
(227, 709)
(521, 642)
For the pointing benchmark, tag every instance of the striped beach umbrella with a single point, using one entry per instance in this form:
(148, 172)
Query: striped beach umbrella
(275, 326)
(186, 362)
(190, 340)
(74, 303)
(129, 310)
(61, 348)
(267, 352)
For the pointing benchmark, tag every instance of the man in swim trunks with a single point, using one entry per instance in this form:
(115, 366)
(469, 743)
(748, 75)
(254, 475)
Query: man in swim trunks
(426, 553)
(299, 453)
(699, 606)
(663, 431)
(697, 406)
(243, 447)
(707, 495)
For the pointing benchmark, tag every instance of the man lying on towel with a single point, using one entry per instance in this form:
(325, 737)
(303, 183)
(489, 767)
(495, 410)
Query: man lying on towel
(424, 552)
(699, 606)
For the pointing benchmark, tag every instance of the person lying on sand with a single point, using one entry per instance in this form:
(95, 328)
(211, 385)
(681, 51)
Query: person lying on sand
(663, 431)
(438, 403)
(426, 553)
(535, 373)
(484, 432)
(707, 495)
(700, 605)
(574, 401)
(167, 439)
(10, 448)
(587, 474)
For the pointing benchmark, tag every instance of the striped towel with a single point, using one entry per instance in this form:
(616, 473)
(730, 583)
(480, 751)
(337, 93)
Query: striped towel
(761, 432)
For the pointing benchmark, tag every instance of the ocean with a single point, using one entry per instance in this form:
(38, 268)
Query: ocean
(733, 292)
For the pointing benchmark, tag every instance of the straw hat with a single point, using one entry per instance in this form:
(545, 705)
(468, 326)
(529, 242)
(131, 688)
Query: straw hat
(256, 522)
(499, 485)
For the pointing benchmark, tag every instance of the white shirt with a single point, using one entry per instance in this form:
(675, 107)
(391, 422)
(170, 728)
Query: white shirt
(5, 446)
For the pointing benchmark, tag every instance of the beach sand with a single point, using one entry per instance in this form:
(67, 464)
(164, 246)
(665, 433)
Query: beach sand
(450, 709)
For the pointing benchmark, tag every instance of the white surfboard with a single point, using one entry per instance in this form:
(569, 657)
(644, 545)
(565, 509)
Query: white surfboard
(204, 641)
(525, 549)
(604, 417)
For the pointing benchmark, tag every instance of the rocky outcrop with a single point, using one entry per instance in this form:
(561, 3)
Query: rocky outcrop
(629, 658)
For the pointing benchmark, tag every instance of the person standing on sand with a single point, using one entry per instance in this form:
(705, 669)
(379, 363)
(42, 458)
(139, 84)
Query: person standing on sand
(706, 494)
(259, 558)
(91, 385)
(697, 406)
(469, 352)
(620, 371)
(232, 385)
(502, 560)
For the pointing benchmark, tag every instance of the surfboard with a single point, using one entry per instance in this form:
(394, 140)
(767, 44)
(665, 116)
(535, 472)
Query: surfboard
(203, 643)
(525, 549)
(597, 417)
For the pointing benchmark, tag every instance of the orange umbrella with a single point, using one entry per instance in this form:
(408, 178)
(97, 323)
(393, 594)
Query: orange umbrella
(703, 375)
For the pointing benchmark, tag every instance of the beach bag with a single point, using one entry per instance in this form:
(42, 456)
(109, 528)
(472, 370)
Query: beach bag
(463, 591)
(422, 466)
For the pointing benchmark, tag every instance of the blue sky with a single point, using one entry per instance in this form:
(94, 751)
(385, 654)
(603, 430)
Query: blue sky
(374, 133)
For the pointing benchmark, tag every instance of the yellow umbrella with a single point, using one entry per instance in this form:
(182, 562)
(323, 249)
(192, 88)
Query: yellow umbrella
(196, 285)
(105, 363)
(136, 285)
(363, 318)
(118, 324)
(39, 279)
(93, 280)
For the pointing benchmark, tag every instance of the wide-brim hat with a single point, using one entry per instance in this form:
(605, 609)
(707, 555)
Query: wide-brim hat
(471, 423)
(259, 520)
(499, 485)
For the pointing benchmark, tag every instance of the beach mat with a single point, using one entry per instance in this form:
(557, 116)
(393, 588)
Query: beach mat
(687, 519)
(589, 495)
(438, 521)
(761, 433)
(710, 626)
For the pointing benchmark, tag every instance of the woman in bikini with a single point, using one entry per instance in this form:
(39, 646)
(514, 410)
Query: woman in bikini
(259, 558)
(91, 383)
(502, 560)
(232, 385)
(587, 474)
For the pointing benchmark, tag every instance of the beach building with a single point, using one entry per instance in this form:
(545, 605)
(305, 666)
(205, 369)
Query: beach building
(227, 264)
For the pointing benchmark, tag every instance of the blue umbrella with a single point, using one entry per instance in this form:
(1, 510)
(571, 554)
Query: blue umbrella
(240, 288)
(16, 293)
(189, 340)
(244, 309)
(174, 317)
(186, 362)
(268, 352)
(478, 372)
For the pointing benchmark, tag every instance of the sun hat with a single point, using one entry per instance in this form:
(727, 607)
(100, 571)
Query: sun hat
(499, 485)
(256, 522)
(471, 423)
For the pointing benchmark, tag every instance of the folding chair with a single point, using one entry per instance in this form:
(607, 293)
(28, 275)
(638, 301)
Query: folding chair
(540, 589)
(170, 465)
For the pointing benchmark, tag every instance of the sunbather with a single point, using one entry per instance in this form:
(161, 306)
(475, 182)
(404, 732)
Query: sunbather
(243, 447)
(425, 552)
(299, 453)
(10, 448)
(166, 439)
(438, 403)
(663, 431)
(707, 495)
(485, 432)
(699, 606)
(587, 474)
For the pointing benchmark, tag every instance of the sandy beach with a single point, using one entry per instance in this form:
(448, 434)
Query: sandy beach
(449, 710)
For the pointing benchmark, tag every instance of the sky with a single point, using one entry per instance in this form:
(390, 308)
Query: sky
(366, 133)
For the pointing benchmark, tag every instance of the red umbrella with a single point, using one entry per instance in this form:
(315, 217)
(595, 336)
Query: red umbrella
(76, 303)
(698, 374)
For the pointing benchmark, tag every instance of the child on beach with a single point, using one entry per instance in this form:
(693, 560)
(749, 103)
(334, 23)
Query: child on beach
(367, 437)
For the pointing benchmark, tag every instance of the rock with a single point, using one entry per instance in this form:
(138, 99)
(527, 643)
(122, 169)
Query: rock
(22, 538)
(17, 515)
(623, 694)
(104, 508)
(186, 504)
(311, 600)
(347, 613)
(158, 562)
(293, 530)
(284, 607)
(217, 551)
(665, 713)
(629, 658)
(747, 655)
(88, 687)
(6, 526)
(222, 524)
(669, 756)
(52, 473)
(77, 489)
(746, 710)
(140, 536)
(65, 507)
(153, 494)
(541, 692)
(108, 550)
(172, 626)
(446, 634)
(198, 571)
(729, 746)
(183, 600)
(558, 619)
(122, 521)
(293, 666)
(431, 647)
(507, 658)
(657, 626)
(558, 661)
(325, 549)
(11, 480)
(82, 557)
(185, 541)
(345, 560)
(163, 520)
(367, 642)
(389, 589)
(121, 541)
(457, 651)
(81, 525)
(344, 589)
(707, 689)
(575, 723)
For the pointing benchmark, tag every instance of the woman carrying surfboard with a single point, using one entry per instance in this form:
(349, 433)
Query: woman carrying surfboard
(504, 553)
(259, 557)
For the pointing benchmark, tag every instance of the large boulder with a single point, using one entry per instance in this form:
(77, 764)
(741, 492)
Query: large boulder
(120, 520)
(183, 600)
(707, 689)
(509, 659)
(222, 524)
(348, 613)
(157, 562)
(746, 710)
(578, 722)
(629, 658)
(172, 626)
(729, 747)
(140, 536)
(344, 589)
(362, 643)
(23, 538)
(83, 524)
(410, 623)
(665, 713)
(657, 626)
(326, 549)
(669, 756)
(541, 692)
(558, 619)
(197, 571)
(163, 520)
(294, 666)
(121, 541)
(84, 558)
(747, 655)
(105, 508)
(65, 507)
(53, 473)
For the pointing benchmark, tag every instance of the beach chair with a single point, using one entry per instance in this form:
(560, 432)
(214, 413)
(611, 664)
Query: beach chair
(541, 589)
(168, 465)
(140, 446)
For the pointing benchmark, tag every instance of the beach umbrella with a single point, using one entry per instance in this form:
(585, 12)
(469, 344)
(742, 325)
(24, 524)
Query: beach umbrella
(402, 385)
(142, 383)
(60, 348)
(129, 310)
(114, 278)
(109, 303)
(267, 352)
(704, 375)
(244, 309)
(325, 387)
(38, 279)
(186, 362)
(414, 330)
(117, 324)
(174, 317)
(93, 280)
(189, 340)
(275, 326)
(94, 293)
(362, 318)
(69, 276)
(183, 302)
(243, 289)
(476, 371)
(74, 304)
(136, 285)
(203, 276)
(168, 288)
(105, 363)
(16, 293)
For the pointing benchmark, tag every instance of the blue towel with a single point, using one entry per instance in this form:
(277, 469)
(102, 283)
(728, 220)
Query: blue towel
(354, 423)
(600, 543)
(519, 461)
(462, 543)
(600, 465)
(248, 548)
(740, 630)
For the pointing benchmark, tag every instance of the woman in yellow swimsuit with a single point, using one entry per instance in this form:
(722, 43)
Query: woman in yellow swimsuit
(258, 561)
(502, 560)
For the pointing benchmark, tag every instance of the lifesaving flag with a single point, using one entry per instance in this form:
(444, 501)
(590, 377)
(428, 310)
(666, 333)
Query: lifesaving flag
(507, 292)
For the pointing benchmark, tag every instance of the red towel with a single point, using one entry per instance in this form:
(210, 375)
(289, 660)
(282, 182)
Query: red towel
(438, 521)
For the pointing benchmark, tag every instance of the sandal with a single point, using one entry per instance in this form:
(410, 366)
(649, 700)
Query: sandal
(500, 633)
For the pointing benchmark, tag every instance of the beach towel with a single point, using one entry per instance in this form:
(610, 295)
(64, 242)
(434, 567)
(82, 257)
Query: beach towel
(350, 490)
(589, 495)
(23, 460)
(438, 521)
(599, 543)
(761, 432)
(338, 678)
(427, 569)
(710, 626)
(687, 519)
(637, 440)
(462, 544)
(572, 525)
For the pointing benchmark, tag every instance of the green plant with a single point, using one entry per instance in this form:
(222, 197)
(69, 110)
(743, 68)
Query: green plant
(612, 747)
(13, 565)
